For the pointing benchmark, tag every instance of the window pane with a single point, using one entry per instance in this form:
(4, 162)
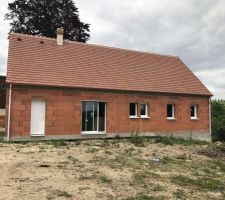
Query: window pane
(132, 109)
(170, 110)
(192, 111)
(143, 109)
(101, 125)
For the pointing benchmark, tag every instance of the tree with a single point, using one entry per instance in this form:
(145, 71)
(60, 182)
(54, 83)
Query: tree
(43, 17)
(218, 119)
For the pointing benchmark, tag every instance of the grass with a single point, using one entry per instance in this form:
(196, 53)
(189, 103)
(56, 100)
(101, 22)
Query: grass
(158, 188)
(180, 194)
(204, 183)
(1, 136)
(170, 140)
(145, 197)
(135, 168)
(64, 194)
(105, 179)
(56, 143)
(137, 140)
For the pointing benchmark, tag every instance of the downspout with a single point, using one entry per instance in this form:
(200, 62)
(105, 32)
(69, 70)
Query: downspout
(210, 118)
(9, 111)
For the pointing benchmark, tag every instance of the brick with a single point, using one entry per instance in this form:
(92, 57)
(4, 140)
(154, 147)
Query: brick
(66, 119)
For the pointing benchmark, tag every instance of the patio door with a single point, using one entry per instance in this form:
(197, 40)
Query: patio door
(93, 116)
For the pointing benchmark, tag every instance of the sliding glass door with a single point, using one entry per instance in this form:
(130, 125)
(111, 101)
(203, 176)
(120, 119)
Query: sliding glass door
(93, 116)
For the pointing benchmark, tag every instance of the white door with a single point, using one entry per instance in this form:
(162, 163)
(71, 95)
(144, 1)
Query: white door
(38, 117)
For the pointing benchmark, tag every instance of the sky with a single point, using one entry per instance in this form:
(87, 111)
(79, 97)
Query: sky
(191, 29)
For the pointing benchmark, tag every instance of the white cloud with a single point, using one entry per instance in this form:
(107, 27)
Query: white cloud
(191, 29)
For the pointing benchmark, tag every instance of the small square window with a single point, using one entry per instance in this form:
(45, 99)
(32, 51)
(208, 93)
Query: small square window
(194, 112)
(144, 110)
(133, 109)
(170, 111)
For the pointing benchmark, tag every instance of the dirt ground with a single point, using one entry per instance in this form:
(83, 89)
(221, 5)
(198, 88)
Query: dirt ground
(109, 169)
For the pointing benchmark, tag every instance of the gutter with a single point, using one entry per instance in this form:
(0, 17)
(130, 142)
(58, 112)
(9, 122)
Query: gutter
(9, 111)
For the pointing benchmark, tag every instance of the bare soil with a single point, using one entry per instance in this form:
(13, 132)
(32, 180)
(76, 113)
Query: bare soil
(109, 169)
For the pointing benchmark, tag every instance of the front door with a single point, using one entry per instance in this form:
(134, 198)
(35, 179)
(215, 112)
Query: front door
(93, 116)
(38, 117)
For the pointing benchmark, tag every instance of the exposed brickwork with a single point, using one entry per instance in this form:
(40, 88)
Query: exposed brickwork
(2, 121)
(63, 112)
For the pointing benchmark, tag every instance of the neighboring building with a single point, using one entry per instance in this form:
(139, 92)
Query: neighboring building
(65, 89)
(2, 102)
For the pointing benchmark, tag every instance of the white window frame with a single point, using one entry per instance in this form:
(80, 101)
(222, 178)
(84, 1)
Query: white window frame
(2, 112)
(146, 111)
(136, 110)
(94, 132)
(173, 111)
(195, 112)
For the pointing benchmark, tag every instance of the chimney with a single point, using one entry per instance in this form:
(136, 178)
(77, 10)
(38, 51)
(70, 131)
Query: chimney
(60, 32)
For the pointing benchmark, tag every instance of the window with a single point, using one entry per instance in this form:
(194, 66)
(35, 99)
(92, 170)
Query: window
(93, 117)
(170, 111)
(144, 110)
(194, 112)
(133, 110)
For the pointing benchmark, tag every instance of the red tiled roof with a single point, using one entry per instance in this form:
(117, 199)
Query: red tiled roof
(81, 65)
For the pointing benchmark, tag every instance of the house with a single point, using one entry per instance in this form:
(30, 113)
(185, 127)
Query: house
(63, 89)
(2, 102)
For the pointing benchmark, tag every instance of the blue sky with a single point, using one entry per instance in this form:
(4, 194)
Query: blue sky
(191, 29)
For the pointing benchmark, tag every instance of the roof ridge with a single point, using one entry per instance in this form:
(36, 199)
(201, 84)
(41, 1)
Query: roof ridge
(98, 45)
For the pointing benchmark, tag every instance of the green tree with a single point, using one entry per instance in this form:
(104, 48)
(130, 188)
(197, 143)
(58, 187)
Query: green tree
(218, 119)
(43, 17)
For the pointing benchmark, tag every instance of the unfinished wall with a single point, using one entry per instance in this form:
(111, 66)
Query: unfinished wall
(63, 112)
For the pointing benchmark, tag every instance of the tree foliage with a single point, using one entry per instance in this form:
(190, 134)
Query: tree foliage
(43, 17)
(218, 119)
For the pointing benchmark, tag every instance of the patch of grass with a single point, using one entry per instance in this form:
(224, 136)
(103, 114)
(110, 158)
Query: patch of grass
(158, 188)
(56, 143)
(170, 140)
(92, 150)
(145, 197)
(220, 164)
(105, 179)
(179, 194)
(205, 183)
(74, 160)
(1, 136)
(64, 194)
(108, 152)
(137, 140)
(142, 178)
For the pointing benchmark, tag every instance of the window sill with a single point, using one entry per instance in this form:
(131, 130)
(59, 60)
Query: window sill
(145, 117)
(93, 133)
(133, 117)
(171, 118)
(194, 118)
(37, 135)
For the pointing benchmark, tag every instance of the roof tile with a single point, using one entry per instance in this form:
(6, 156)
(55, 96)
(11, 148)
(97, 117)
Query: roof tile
(81, 65)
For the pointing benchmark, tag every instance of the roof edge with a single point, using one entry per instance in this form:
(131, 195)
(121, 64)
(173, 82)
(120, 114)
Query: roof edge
(108, 89)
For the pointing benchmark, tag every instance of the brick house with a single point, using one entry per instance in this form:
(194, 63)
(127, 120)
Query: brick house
(2, 102)
(65, 89)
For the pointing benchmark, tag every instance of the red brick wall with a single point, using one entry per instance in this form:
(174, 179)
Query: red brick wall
(63, 112)
(2, 121)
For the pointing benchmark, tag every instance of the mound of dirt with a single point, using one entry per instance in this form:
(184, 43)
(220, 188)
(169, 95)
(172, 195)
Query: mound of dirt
(214, 152)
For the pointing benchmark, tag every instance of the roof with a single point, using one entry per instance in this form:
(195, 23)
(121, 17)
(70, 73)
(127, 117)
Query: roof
(36, 60)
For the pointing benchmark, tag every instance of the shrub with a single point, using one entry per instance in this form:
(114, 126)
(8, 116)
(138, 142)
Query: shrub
(218, 119)
(170, 140)
(137, 140)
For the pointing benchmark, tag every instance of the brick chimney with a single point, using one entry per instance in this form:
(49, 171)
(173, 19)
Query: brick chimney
(60, 32)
